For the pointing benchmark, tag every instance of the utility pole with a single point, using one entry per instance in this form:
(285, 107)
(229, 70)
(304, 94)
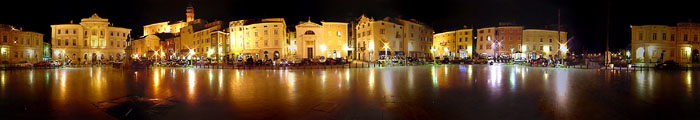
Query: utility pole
(559, 29)
(607, 36)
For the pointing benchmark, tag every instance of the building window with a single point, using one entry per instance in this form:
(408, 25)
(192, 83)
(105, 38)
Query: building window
(338, 34)
(541, 40)
(74, 32)
(381, 31)
(685, 37)
(73, 42)
(4, 38)
(653, 36)
(695, 38)
(58, 31)
(673, 37)
(550, 40)
(641, 36)
(663, 36)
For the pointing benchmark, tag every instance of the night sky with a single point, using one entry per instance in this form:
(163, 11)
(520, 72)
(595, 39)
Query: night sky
(585, 20)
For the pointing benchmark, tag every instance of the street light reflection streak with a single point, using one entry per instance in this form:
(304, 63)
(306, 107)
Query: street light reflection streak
(191, 82)
(689, 83)
(434, 75)
(156, 83)
(512, 79)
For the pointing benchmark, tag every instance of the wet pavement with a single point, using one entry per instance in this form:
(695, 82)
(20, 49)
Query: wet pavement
(414, 92)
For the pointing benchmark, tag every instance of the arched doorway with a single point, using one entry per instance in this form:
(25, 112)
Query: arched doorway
(94, 58)
(277, 55)
(639, 56)
(695, 56)
(265, 53)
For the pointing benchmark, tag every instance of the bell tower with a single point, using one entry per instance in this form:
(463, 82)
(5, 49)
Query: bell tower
(190, 12)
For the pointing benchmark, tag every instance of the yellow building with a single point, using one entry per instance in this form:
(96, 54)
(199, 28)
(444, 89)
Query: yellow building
(259, 39)
(18, 45)
(151, 46)
(163, 27)
(328, 40)
(540, 43)
(198, 38)
(443, 43)
(456, 43)
(415, 34)
(94, 40)
(687, 44)
(660, 43)
(392, 37)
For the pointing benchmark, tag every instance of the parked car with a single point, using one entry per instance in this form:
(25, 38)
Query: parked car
(467, 60)
(521, 60)
(23, 64)
(249, 61)
(668, 65)
(445, 60)
(56, 63)
(282, 62)
(456, 61)
(268, 62)
(341, 61)
(330, 62)
(42, 64)
(481, 61)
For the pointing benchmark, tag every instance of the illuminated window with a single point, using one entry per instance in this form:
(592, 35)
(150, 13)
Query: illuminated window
(338, 34)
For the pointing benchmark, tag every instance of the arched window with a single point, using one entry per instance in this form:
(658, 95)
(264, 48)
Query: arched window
(309, 32)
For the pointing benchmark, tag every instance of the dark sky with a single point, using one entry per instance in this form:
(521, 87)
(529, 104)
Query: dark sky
(585, 19)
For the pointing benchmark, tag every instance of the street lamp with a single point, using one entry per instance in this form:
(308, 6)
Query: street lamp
(386, 51)
(433, 50)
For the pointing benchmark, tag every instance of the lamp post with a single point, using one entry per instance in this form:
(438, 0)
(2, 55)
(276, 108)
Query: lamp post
(433, 50)
(386, 52)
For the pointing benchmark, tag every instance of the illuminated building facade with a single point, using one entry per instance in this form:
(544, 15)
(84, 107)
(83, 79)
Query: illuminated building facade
(94, 40)
(259, 39)
(456, 43)
(659, 43)
(198, 38)
(328, 40)
(391, 37)
(485, 41)
(151, 46)
(18, 45)
(541, 43)
(509, 40)
(443, 43)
